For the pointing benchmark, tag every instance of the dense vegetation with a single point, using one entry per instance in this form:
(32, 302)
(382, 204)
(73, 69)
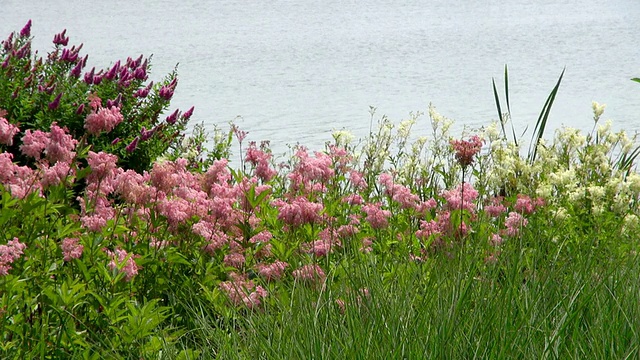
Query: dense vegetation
(121, 237)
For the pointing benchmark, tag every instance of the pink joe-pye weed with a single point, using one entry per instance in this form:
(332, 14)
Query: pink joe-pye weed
(298, 211)
(124, 262)
(465, 150)
(9, 253)
(514, 223)
(103, 120)
(241, 291)
(461, 197)
(273, 271)
(7, 132)
(377, 217)
(71, 249)
(312, 273)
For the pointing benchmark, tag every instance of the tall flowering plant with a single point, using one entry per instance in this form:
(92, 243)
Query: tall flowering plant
(114, 109)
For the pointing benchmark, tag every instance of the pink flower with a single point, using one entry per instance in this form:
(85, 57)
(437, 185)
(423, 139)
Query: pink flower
(272, 271)
(243, 292)
(103, 119)
(71, 249)
(60, 145)
(428, 228)
(514, 222)
(7, 132)
(466, 149)
(34, 143)
(300, 211)
(123, 262)
(357, 179)
(10, 253)
(353, 199)
(495, 240)
(6, 167)
(56, 174)
(525, 205)
(259, 159)
(235, 260)
(461, 198)
(102, 165)
(496, 208)
(309, 273)
(376, 216)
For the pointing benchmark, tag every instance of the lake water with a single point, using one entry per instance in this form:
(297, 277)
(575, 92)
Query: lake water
(296, 70)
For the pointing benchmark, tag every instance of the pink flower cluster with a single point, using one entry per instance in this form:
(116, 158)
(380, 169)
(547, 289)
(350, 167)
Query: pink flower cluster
(123, 262)
(56, 144)
(273, 271)
(10, 253)
(71, 249)
(259, 158)
(465, 150)
(103, 119)
(329, 240)
(309, 273)
(243, 292)
(311, 174)
(525, 205)
(514, 222)
(495, 207)
(399, 193)
(376, 216)
(299, 211)
(7, 132)
(461, 198)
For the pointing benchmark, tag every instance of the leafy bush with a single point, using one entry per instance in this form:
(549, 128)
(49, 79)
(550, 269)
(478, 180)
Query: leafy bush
(113, 110)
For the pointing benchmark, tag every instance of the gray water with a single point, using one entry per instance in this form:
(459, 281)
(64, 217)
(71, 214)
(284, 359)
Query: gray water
(296, 70)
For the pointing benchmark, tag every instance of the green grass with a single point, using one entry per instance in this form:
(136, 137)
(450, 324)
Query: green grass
(534, 304)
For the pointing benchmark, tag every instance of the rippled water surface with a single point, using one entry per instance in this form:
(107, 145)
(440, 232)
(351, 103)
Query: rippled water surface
(296, 70)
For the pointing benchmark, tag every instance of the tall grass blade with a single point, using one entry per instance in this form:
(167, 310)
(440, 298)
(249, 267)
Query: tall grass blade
(636, 80)
(500, 117)
(506, 94)
(542, 120)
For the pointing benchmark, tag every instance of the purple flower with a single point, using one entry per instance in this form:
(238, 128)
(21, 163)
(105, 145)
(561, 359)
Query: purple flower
(166, 93)
(61, 39)
(80, 109)
(140, 73)
(88, 77)
(77, 70)
(115, 141)
(134, 144)
(141, 93)
(171, 119)
(55, 103)
(111, 74)
(188, 114)
(26, 30)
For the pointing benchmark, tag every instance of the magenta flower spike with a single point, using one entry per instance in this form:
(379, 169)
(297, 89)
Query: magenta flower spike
(171, 119)
(188, 113)
(26, 30)
(133, 145)
(80, 109)
(166, 92)
(61, 39)
(88, 77)
(55, 103)
(77, 70)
